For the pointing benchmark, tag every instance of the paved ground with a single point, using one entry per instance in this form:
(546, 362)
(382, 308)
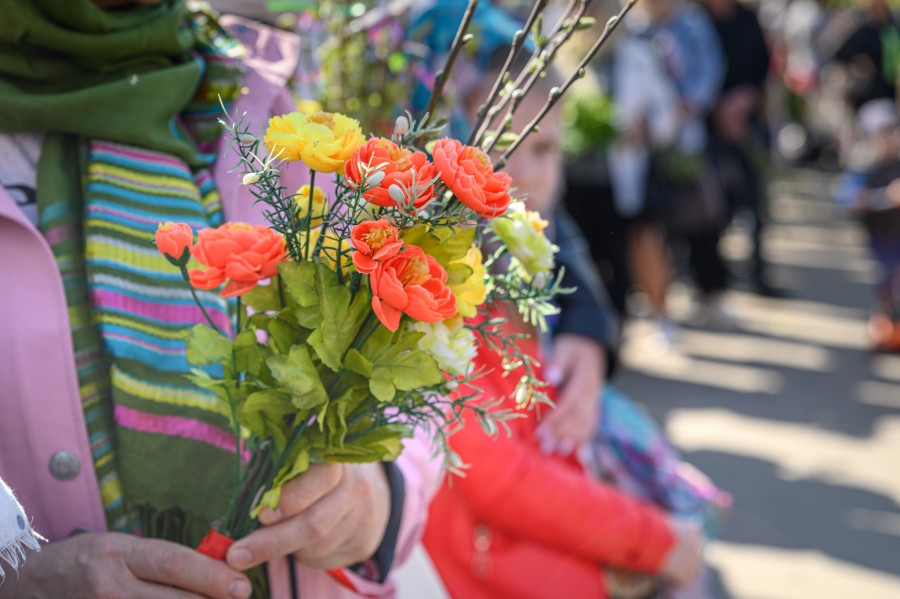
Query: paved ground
(792, 414)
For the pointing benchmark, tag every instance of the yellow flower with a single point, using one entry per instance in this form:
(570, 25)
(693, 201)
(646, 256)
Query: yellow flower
(472, 292)
(323, 141)
(332, 247)
(522, 232)
(319, 204)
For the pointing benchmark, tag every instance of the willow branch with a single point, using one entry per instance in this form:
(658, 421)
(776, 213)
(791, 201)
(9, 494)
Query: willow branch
(546, 58)
(517, 44)
(557, 92)
(523, 76)
(458, 43)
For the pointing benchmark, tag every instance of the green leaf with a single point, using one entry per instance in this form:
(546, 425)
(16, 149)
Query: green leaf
(264, 413)
(308, 317)
(263, 298)
(297, 375)
(282, 334)
(398, 364)
(205, 346)
(446, 244)
(382, 389)
(249, 355)
(383, 443)
(295, 467)
(356, 362)
(299, 280)
(342, 318)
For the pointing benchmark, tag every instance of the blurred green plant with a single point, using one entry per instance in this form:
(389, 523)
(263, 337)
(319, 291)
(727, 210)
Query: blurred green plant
(589, 123)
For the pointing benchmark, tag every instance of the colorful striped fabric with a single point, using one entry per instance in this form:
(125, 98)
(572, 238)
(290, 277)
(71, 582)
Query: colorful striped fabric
(174, 448)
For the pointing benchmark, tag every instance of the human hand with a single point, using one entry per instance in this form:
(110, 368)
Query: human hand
(685, 559)
(578, 368)
(332, 515)
(120, 566)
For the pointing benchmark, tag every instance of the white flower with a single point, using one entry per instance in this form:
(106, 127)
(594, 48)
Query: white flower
(250, 178)
(454, 349)
(401, 125)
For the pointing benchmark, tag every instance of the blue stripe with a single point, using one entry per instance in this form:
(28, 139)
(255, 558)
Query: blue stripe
(141, 165)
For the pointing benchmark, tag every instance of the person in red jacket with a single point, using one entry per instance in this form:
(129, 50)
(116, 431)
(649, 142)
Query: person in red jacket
(524, 523)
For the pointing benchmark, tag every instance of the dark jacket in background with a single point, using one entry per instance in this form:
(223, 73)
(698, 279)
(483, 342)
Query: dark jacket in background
(745, 49)
(587, 311)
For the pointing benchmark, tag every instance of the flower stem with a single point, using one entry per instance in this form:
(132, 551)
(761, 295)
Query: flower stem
(209, 321)
(309, 215)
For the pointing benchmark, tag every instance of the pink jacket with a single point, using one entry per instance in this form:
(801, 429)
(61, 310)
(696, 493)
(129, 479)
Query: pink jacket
(40, 410)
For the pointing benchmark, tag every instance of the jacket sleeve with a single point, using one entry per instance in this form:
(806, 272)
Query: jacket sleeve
(586, 311)
(515, 488)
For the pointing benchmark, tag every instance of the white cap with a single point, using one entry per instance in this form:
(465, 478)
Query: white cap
(877, 115)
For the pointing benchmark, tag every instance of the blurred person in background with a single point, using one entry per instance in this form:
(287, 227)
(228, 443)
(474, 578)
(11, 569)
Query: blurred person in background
(872, 191)
(738, 143)
(871, 55)
(649, 118)
(682, 190)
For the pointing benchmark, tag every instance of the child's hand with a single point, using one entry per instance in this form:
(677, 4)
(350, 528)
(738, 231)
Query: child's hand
(577, 368)
(686, 557)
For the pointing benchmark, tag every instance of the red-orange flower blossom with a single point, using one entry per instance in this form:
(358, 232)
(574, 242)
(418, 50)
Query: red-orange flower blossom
(174, 240)
(468, 172)
(400, 166)
(412, 283)
(373, 241)
(241, 253)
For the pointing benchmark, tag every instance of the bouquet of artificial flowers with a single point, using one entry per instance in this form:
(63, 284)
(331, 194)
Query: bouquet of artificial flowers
(357, 308)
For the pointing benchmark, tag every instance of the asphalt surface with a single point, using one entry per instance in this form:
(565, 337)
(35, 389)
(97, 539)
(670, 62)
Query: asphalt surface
(788, 409)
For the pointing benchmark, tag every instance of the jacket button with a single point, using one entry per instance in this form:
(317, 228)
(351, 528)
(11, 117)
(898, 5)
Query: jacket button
(64, 465)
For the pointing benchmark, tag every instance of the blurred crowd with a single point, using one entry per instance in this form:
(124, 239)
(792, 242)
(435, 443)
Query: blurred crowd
(707, 99)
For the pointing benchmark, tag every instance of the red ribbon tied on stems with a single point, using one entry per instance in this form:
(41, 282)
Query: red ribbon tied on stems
(216, 545)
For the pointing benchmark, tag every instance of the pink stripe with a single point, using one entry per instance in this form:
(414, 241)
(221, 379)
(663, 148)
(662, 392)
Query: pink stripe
(186, 428)
(160, 312)
(58, 234)
(144, 344)
(140, 155)
(126, 216)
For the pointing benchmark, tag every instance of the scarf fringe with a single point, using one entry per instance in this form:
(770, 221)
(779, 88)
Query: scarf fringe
(13, 553)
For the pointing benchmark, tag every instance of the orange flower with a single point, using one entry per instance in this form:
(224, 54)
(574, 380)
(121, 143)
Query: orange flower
(468, 173)
(244, 254)
(174, 241)
(400, 167)
(373, 241)
(412, 283)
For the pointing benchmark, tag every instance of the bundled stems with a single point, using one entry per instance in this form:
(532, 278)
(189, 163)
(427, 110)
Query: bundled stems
(458, 42)
(557, 92)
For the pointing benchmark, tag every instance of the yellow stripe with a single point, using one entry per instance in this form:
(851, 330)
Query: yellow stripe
(150, 184)
(110, 491)
(157, 331)
(167, 395)
(141, 236)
